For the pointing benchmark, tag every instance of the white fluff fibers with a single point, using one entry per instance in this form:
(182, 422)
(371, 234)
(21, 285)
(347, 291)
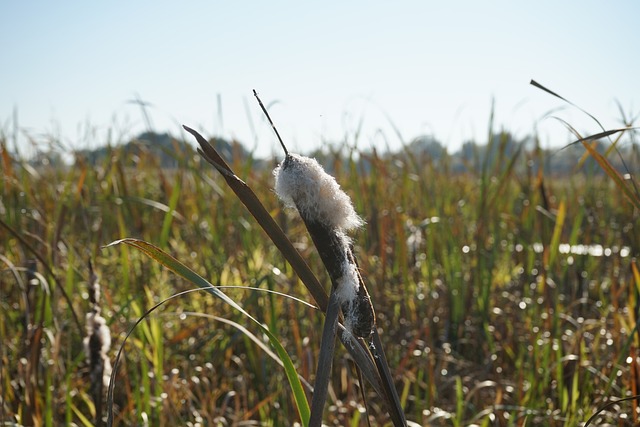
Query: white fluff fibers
(302, 183)
(348, 284)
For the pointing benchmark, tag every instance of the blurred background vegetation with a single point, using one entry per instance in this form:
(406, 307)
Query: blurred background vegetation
(505, 279)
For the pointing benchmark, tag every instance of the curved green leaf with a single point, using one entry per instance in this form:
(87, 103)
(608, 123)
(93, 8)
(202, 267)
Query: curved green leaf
(186, 273)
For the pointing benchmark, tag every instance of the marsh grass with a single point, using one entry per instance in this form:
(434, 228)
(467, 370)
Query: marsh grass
(478, 326)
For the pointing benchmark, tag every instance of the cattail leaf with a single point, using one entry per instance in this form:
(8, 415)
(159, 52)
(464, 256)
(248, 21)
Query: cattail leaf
(606, 166)
(186, 273)
(156, 205)
(387, 384)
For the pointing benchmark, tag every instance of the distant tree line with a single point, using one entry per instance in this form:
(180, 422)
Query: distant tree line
(424, 150)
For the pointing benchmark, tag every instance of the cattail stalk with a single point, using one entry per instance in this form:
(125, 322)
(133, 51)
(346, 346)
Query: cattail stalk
(97, 344)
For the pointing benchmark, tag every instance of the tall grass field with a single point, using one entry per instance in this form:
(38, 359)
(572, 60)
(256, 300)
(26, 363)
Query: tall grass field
(506, 294)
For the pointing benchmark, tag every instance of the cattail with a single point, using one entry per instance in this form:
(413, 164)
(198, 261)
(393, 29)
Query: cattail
(97, 344)
(328, 214)
(301, 182)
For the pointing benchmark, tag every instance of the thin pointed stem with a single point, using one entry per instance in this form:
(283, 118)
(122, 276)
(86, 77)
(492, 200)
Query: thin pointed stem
(264, 110)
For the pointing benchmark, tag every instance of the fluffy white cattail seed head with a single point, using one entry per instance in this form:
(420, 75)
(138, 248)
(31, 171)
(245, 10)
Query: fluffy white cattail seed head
(301, 182)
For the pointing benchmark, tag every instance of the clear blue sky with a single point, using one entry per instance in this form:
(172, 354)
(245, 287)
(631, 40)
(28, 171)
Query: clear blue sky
(429, 67)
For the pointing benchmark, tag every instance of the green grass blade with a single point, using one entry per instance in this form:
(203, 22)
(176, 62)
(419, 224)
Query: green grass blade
(186, 273)
(85, 421)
